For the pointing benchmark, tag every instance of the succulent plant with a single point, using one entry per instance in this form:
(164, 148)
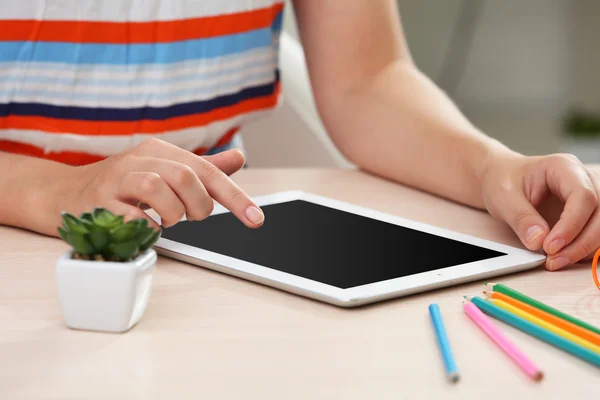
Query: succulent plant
(582, 124)
(103, 236)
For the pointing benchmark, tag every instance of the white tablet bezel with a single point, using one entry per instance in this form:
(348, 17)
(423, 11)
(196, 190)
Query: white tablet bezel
(514, 260)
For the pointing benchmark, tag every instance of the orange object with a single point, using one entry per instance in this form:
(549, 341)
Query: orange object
(595, 269)
(576, 330)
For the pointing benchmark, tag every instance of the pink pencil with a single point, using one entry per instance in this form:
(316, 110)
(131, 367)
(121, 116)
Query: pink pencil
(509, 348)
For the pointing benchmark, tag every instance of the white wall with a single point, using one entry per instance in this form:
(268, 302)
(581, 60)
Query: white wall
(584, 53)
(530, 60)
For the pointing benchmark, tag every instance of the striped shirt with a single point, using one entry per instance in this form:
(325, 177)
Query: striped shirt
(81, 80)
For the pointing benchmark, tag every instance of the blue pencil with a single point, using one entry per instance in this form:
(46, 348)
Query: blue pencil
(536, 331)
(444, 343)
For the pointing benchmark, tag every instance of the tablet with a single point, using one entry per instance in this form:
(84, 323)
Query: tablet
(337, 252)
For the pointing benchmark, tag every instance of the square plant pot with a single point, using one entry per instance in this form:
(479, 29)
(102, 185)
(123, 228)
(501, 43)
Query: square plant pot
(104, 296)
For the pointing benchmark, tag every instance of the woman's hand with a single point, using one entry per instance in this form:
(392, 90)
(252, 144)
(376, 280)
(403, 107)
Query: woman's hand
(514, 187)
(172, 181)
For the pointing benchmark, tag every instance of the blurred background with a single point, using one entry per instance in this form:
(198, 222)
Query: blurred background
(524, 71)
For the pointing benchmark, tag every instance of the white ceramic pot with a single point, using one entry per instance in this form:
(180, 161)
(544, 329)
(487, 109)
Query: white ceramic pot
(104, 296)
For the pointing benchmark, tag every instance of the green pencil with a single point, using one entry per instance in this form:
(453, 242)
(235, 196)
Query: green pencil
(498, 287)
(535, 330)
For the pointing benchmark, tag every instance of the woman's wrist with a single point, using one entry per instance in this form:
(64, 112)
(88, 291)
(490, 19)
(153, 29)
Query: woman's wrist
(35, 193)
(490, 152)
(57, 192)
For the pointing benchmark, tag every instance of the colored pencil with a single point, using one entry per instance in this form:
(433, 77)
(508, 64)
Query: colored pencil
(444, 343)
(536, 331)
(507, 346)
(551, 319)
(546, 325)
(497, 287)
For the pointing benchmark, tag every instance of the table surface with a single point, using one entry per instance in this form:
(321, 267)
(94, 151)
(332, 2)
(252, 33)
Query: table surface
(209, 335)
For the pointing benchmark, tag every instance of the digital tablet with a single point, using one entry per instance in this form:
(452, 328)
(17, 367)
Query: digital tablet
(337, 252)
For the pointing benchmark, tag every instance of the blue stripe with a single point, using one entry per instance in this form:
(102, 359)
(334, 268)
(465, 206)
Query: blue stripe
(115, 54)
(139, 68)
(233, 143)
(277, 22)
(134, 114)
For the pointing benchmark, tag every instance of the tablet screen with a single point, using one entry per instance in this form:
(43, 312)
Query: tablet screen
(327, 245)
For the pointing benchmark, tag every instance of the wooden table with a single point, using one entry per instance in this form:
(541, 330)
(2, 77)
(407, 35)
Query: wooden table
(206, 335)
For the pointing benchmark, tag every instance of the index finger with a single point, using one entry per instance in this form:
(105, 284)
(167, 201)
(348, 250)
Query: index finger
(219, 186)
(571, 184)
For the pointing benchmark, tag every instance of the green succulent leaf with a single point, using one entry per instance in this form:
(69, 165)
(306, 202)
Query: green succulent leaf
(126, 250)
(79, 243)
(125, 232)
(105, 218)
(87, 224)
(99, 237)
(101, 233)
(73, 224)
(143, 223)
(119, 220)
(86, 217)
(63, 234)
(149, 242)
(143, 235)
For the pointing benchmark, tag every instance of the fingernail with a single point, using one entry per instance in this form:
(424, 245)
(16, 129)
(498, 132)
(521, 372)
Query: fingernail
(533, 233)
(558, 263)
(255, 215)
(556, 246)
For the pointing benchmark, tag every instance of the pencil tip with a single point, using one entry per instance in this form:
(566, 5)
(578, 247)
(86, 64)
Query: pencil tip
(454, 377)
(538, 376)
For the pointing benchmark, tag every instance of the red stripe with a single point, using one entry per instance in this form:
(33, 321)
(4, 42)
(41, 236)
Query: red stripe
(137, 32)
(66, 157)
(117, 128)
(76, 158)
(226, 138)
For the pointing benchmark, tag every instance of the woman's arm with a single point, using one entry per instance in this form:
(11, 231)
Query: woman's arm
(379, 109)
(174, 182)
(389, 119)
(28, 186)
